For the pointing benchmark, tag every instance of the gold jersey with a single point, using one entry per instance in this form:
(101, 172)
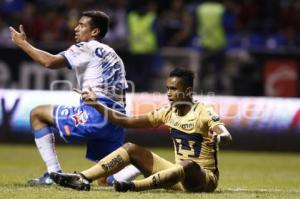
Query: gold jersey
(190, 133)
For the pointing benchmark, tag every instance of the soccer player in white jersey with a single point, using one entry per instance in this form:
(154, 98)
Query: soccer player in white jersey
(97, 66)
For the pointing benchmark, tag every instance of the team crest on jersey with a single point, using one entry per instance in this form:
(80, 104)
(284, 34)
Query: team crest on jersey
(80, 118)
(213, 116)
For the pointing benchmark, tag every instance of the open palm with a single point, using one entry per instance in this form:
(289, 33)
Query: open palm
(18, 37)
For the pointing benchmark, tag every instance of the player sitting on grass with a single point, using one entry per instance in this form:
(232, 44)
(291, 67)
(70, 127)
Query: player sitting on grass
(196, 131)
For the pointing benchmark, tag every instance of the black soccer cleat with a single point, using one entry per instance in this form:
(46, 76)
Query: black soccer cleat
(123, 186)
(71, 180)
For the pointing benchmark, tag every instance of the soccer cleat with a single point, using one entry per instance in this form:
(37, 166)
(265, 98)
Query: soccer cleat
(71, 180)
(123, 186)
(43, 180)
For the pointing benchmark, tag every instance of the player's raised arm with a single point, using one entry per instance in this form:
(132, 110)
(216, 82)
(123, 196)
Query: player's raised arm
(44, 58)
(141, 121)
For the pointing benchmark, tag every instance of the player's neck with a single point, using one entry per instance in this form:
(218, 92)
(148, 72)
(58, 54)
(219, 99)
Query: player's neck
(184, 108)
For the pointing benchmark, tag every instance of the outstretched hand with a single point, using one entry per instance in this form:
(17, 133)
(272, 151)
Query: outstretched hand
(18, 37)
(89, 96)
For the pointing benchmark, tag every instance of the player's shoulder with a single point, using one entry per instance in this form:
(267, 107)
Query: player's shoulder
(101, 49)
(166, 107)
(162, 110)
(201, 107)
(206, 111)
(198, 106)
(96, 44)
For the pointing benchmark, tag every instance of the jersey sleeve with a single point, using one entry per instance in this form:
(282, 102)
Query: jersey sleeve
(158, 116)
(211, 117)
(77, 55)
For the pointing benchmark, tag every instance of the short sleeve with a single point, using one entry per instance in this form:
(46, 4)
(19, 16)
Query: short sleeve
(211, 117)
(77, 55)
(158, 116)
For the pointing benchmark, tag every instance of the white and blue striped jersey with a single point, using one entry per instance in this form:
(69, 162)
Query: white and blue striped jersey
(98, 66)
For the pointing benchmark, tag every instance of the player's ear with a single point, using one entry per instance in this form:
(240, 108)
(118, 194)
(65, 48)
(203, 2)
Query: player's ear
(95, 32)
(189, 91)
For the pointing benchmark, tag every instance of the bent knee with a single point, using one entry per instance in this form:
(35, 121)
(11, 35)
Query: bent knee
(129, 146)
(189, 165)
(40, 115)
(35, 112)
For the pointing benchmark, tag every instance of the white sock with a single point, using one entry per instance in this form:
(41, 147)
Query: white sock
(46, 147)
(127, 174)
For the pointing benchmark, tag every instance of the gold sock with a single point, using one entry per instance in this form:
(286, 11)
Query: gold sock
(109, 165)
(162, 179)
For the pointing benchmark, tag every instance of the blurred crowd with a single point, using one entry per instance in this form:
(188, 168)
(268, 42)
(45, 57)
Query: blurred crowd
(246, 23)
(142, 27)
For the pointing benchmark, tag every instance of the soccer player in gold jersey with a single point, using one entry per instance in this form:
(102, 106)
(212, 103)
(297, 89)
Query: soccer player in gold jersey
(196, 131)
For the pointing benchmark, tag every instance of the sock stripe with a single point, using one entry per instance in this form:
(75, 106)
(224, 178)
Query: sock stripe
(42, 132)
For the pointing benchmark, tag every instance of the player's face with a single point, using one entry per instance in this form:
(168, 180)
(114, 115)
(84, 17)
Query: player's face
(176, 91)
(83, 31)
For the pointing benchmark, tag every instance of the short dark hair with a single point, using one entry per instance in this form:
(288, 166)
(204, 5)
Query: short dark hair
(187, 76)
(98, 20)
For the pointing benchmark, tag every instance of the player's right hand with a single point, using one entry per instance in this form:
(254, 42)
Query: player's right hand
(18, 37)
(89, 96)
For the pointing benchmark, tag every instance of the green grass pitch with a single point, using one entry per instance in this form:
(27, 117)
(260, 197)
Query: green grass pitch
(243, 175)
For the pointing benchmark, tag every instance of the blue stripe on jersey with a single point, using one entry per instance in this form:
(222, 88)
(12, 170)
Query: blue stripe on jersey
(182, 141)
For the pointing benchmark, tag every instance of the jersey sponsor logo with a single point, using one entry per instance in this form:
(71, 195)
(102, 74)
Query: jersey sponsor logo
(187, 126)
(80, 118)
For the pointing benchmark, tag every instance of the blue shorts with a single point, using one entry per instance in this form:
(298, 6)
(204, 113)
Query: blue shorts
(85, 123)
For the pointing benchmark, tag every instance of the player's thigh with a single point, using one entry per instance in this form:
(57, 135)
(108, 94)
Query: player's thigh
(198, 179)
(160, 163)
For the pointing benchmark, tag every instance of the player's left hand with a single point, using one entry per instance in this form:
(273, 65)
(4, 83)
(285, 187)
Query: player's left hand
(18, 37)
(89, 96)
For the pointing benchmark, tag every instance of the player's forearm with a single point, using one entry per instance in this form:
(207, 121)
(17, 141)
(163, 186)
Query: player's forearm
(121, 118)
(113, 115)
(44, 58)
